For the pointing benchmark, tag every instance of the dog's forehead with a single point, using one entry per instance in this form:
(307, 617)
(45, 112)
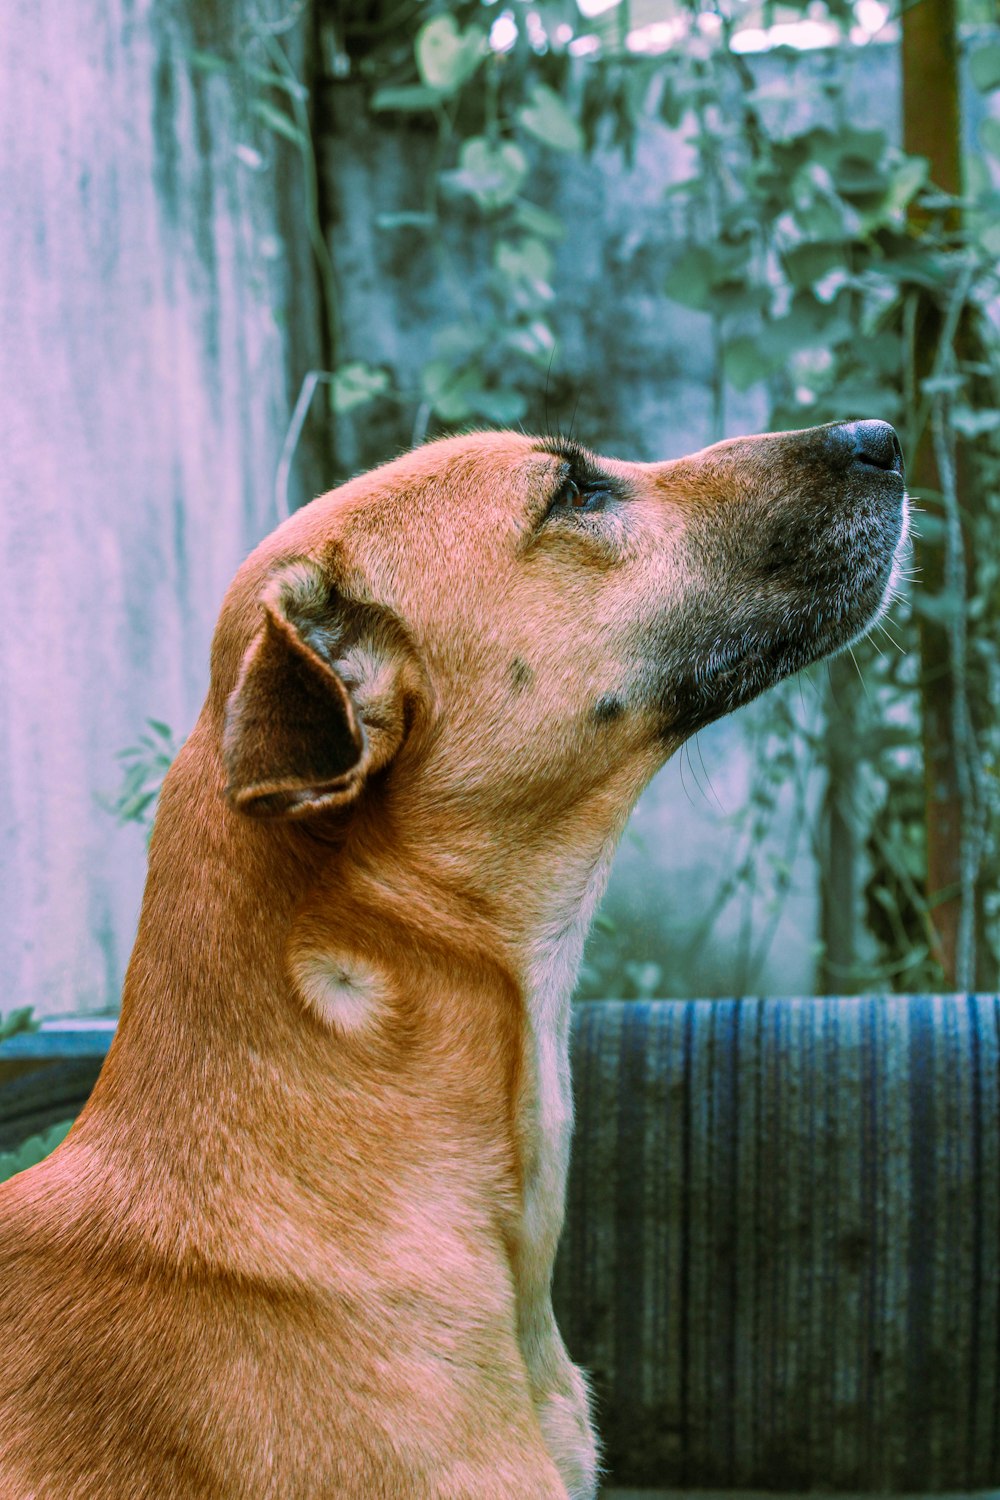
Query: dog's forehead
(472, 497)
(477, 471)
(503, 467)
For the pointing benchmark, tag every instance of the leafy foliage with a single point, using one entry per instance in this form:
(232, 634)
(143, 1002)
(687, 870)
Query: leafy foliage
(33, 1150)
(16, 1021)
(35, 1147)
(812, 244)
(814, 270)
(144, 766)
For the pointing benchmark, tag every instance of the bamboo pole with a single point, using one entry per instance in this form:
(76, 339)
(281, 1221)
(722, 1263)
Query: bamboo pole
(932, 129)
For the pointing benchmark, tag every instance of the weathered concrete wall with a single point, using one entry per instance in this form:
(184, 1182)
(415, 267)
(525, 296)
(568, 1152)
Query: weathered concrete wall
(158, 311)
(146, 368)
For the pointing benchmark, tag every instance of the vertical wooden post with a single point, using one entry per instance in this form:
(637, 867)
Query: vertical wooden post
(839, 887)
(932, 129)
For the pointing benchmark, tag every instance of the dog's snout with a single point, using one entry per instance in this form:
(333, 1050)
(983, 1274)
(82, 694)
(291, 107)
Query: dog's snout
(874, 445)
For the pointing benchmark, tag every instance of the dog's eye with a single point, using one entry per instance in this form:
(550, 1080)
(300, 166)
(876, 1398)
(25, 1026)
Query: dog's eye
(578, 497)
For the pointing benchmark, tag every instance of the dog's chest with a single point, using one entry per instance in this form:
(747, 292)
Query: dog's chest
(548, 1102)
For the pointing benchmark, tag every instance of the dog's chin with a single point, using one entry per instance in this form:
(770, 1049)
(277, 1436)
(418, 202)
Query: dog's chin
(731, 669)
(886, 597)
(730, 660)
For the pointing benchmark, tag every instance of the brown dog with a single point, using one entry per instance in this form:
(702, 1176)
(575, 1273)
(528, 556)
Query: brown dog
(299, 1243)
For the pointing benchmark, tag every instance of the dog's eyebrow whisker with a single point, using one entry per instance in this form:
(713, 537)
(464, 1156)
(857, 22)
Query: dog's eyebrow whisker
(576, 404)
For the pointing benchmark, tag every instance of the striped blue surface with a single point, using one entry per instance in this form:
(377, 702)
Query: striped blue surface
(781, 1260)
(75, 1037)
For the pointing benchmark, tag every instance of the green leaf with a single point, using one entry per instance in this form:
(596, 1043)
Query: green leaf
(862, 145)
(131, 809)
(807, 324)
(856, 177)
(988, 238)
(35, 1149)
(446, 56)
(744, 363)
(930, 528)
(820, 217)
(903, 263)
(942, 385)
(689, 280)
(908, 177)
(134, 780)
(500, 406)
(673, 103)
(736, 297)
(409, 98)
(209, 62)
(717, 278)
(984, 67)
(356, 384)
(538, 221)
(405, 220)
(528, 260)
(459, 344)
(535, 340)
(17, 1020)
(282, 81)
(973, 424)
(491, 174)
(806, 264)
(448, 389)
(547, 118)
(989, 135)
(276, 120)
(941, 609)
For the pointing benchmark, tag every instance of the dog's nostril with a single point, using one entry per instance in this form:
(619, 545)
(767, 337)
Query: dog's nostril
(876, 445)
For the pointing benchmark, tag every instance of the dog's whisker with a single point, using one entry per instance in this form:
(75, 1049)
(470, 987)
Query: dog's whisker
(701, 758)
(883, 627)
(680, 771)
(861, 675)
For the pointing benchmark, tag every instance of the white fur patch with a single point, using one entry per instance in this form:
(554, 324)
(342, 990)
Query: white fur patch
(347, 995)
(552, 972)
(558, 1387)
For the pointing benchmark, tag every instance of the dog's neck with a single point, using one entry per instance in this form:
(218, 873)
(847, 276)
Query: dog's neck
(228, 1108)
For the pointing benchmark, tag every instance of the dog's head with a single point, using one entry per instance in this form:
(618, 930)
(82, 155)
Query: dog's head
(516, 623)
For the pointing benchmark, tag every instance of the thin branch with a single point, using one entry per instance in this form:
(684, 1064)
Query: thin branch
(299, 413)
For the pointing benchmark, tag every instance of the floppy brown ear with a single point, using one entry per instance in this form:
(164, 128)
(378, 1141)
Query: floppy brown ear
(319, 703)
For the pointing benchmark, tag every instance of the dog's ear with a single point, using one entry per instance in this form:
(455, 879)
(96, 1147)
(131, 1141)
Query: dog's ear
(323, 700)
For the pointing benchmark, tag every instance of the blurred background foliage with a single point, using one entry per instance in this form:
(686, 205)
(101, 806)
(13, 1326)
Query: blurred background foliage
(842, 274)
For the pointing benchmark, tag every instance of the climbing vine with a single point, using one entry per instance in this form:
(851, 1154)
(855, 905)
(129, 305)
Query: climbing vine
(810, 243)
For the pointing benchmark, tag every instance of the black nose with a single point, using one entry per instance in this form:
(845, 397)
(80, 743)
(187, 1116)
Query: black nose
(875, 445)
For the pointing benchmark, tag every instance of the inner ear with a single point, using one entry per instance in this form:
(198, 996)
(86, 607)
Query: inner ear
(292, 735)
(326, 695)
